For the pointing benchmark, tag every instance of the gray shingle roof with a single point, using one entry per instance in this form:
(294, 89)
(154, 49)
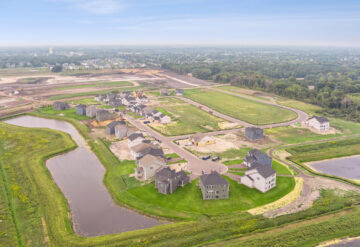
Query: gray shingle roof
(214, 178)
(114, 123)
(264, 171)
(133, 136)
(321, 119)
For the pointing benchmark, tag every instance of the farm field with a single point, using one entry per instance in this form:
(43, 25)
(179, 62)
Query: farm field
(247, 110)
(96, 84)
(186, 119)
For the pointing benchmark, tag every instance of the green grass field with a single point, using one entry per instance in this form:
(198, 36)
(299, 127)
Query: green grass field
(308, 108)
(96, 84)
(189, 199)
(326, 150)
(69, 113)
(238, 90)
(241, 108)
(86, 101)
(186, 119)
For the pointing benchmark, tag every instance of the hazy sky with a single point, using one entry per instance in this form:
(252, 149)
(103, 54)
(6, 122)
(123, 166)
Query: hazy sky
(230, 22)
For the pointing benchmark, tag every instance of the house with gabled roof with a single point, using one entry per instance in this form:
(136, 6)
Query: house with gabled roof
(110, 128)
(135, 139)
(179, 92)
(319, 123)
(168, 180)
(213, 186)
(103, 115)
(80, 109)
(260, 177)
(254, 133)
(164, 92)
(148, 165)
(144, 148)
(201, 139)
(257, 156)
(100, 97)
(91, 111)
(59, 106)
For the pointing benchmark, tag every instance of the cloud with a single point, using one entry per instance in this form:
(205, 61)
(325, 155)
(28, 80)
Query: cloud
(98, 7)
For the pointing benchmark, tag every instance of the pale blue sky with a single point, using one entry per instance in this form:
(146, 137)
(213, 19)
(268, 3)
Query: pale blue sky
(172, 22)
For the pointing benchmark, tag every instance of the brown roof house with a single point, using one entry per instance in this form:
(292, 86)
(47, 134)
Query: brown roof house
(214, 186)
(260, 177)
(148, 165)
(253, 133)
(200, 139)
(59, 106)
(167, 180)
(103, 115)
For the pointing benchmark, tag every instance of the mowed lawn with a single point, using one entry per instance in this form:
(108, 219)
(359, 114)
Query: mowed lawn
(244, 109)
(189, 199)
(185, 119)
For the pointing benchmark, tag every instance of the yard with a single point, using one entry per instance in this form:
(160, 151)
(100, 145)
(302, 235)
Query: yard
(189, 198)
(69, 113)
(244, 109)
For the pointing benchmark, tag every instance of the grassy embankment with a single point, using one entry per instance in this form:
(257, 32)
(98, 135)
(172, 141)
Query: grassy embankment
(322, 151)
(244, 109)
(186, 119)
(29, 172)
(96, 84)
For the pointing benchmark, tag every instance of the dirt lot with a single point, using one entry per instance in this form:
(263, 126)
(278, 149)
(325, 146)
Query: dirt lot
(121, 150)
(229, 141)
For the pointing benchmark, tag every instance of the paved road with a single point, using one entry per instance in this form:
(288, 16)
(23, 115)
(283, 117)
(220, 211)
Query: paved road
(195, 165)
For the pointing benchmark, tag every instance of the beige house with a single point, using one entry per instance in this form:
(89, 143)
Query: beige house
(200, 140)
(260, 177)
(148, 166)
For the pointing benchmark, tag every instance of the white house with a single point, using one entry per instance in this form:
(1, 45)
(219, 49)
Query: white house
(260, 177)
(319, 123)
(135, 139)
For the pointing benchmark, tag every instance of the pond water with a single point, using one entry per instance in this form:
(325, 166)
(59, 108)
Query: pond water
(79, 174)
(348, 167)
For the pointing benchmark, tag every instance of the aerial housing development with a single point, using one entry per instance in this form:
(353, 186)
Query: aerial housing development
(179, 123)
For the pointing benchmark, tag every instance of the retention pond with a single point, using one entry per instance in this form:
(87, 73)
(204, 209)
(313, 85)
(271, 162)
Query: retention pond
(79, 174)
(348, 167)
